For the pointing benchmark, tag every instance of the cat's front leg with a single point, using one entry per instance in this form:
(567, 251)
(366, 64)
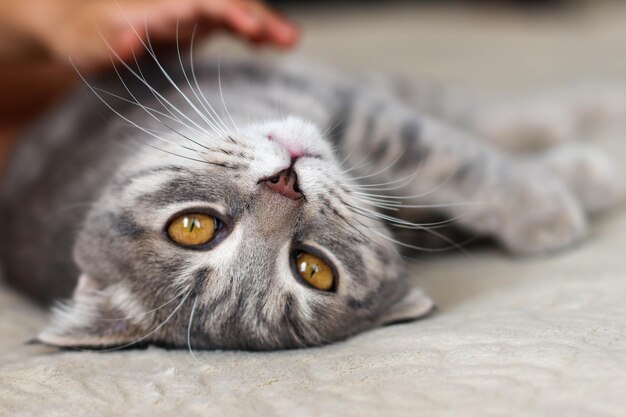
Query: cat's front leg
(525, 207)
(517, 124)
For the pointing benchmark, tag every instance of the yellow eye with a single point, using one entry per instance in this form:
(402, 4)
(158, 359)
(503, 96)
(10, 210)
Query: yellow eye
(315, 271)
(192, 229)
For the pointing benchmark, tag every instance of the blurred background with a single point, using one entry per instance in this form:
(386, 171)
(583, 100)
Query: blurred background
(482, 44)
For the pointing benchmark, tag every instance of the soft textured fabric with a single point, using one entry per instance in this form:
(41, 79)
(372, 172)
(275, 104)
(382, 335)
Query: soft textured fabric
(528, 337)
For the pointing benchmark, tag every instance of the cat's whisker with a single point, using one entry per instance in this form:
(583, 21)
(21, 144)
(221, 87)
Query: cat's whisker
(433, 205)
(187, 138)
(150, 110)
(189, 326)
(215, 122)
(347, 157)
(454, 245)
(195, 79)
(158, 132)
(157, 98)
(156, 329)
(414, 247)
(421, 226)
(368, 238)
(403, 182)
(144, 82)
(219, 84)
(145, 313)
(401, 204)
(329, 131)
(136, 100)
(384, 169)
(132, 123)
(202, 161)
(152, 115)
(374, 215)
(363, 161)
(408, 197)
(378, 200)
(152, 53)
(399, 222)
(385, 217)
(380, 204)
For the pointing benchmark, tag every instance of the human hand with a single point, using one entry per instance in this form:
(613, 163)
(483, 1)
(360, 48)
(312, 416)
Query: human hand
(90, 32)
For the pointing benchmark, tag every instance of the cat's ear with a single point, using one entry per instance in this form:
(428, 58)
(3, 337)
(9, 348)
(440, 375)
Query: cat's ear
(96, 317)
(412, 306)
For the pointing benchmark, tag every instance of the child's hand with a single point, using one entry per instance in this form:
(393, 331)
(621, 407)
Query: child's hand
(76, 28)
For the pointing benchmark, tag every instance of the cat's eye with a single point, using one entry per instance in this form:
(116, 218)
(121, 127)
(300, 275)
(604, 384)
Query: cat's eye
(192, 229)
(314, 270)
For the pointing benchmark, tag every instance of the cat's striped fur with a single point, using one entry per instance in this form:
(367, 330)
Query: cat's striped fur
(92, 186)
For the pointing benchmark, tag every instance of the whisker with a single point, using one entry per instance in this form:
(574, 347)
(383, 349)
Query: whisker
(392, 163)
(149, 48)
(202, 161)
(156, 118)
(195, 80)
(219, 84)
(153, 116)
(433, 205)
(167, 108)
(453, 244)
(144, 82)
(136, 103)
(146, 312)
(345, 159)
(330, 128)
(193, 310)
(163, 323)
(115, 111)
(214, 122)
(377, 186)
(356, 210)
(408, 225)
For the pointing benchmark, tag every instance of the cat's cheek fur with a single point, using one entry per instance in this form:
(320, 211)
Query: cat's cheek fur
(95, 318)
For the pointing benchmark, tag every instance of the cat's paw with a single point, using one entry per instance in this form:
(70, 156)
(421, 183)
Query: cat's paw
(539, 215)
(589, 173)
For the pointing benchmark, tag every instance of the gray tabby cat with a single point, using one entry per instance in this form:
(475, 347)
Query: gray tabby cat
(249, 206)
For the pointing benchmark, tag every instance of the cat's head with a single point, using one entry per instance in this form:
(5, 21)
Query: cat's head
(248, 240)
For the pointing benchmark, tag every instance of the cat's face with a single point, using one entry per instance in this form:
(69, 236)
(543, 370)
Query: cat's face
(210, 249)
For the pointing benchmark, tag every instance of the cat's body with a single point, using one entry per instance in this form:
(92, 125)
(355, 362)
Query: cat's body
(90, 194)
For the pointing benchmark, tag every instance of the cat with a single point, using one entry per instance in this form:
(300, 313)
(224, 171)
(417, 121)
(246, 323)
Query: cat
(254, 205)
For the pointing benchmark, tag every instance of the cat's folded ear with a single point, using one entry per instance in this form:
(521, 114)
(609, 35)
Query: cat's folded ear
(414, 305)
(95, 317)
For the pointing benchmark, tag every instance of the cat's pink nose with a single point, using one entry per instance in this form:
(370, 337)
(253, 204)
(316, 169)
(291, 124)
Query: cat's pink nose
(285, 183)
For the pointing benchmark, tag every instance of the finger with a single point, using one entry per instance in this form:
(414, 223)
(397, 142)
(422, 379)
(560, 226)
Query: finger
(277, 29)
(253, 21)
(233, 14)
